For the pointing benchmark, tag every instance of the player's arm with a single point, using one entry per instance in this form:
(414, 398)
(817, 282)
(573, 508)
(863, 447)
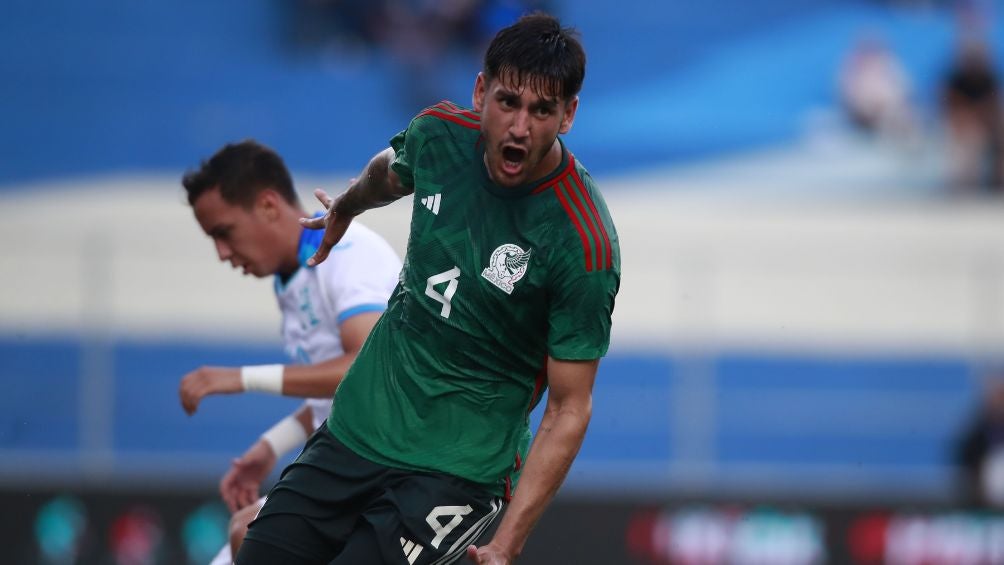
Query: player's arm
(377, 185)
(321, 379)
(566, 416)
(318, 380)
(242, 482)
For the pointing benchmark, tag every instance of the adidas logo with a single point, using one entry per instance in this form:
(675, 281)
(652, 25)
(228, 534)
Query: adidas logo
(432, 202)
(411, 549)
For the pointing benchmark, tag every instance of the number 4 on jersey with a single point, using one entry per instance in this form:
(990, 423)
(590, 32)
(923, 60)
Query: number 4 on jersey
(444, 298)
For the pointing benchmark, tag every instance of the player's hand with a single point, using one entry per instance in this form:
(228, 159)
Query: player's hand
(488, 555)
(205, 381)
(334, 226)
(241, 484)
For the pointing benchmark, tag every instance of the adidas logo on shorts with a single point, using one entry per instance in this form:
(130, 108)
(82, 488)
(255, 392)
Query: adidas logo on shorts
(411, 550)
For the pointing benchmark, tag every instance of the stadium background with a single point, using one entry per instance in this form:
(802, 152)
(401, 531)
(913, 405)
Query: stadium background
(806, 320)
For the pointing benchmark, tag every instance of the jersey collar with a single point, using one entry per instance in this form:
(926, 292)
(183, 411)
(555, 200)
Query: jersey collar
(310, 240)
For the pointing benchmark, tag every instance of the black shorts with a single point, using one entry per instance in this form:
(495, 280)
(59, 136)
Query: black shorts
(331, 504)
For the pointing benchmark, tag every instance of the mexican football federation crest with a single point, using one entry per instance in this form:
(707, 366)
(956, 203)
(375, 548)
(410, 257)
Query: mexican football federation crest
(507, 265)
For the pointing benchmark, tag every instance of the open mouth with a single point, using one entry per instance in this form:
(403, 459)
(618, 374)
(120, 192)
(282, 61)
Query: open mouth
(512, 159)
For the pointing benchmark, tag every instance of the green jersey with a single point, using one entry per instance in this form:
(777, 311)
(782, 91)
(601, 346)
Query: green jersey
(494, 281)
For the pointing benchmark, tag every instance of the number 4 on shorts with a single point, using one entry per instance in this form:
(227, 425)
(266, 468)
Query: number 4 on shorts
(442, 530)
(412, 549)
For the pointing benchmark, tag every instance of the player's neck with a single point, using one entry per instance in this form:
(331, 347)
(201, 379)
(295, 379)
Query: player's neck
(288, 237)
(550, 162)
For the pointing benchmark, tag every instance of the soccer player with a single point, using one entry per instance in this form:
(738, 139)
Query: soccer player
(243, 198)
(508, 287)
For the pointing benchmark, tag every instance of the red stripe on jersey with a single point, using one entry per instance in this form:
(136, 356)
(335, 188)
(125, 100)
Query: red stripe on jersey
(560, 176)
(591, 221)
(578, 227)
(454, 109)
(538, 387)
(437, 106)
(449, 117)
(517, 465)
(607, 263)
(585, 205)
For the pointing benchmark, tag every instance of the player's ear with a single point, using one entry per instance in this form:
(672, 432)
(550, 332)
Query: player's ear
(569, 117)
(478, 97)
(267, 204)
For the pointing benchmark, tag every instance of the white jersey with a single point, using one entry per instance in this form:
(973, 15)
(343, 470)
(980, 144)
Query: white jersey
(358, 276)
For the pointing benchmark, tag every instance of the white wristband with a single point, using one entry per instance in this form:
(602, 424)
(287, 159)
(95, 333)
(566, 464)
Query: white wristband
(262, 378)
(287, 435)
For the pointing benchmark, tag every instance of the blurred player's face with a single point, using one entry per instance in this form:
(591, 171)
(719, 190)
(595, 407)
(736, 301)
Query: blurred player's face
(246, 238)
(520, 129)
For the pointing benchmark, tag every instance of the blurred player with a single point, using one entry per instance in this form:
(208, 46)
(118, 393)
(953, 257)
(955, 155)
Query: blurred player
(243, 198)
(508, 288)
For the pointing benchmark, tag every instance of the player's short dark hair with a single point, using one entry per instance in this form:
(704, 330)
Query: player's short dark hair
(241, 170)
(538, 51)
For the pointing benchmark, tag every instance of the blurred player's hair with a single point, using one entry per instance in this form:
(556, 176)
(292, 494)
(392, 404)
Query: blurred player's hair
(241, 170)
(537, 52)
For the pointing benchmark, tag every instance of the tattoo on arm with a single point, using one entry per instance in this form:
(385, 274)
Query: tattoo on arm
(377, 186)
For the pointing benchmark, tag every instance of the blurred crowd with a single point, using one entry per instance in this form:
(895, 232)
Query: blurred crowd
(971, 103)
(979, 451)
(417, 34)
(879, 99)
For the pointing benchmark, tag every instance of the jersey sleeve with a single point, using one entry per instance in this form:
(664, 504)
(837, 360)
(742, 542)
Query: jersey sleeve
(362, 275)
(404, 149)
(581, 307)
(581, 299)
(408, 145)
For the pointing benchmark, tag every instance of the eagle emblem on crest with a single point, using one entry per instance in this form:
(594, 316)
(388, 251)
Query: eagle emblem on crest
(507, 265)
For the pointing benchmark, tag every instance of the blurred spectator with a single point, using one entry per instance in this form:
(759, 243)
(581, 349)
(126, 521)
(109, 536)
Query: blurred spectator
(421, 33)
(974, 17)
(973, 120)
(417, 34)
(346, 25)
(980, 451)
(496, 14)
(875, 90)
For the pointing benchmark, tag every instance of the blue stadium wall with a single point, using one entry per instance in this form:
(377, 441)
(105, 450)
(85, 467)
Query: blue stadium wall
(801, 417)
(125, 86)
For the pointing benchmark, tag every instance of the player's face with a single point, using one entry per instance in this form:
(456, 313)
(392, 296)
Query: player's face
(520, 129)
(243, 237)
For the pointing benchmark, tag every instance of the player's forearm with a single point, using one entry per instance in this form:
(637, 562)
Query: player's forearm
(283, 437)
(377, 185)
(305, 416)
(318, 380)
(555, 446)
